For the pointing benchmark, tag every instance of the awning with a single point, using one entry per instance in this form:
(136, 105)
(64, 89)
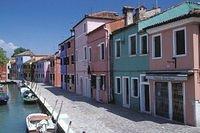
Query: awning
(168, 75)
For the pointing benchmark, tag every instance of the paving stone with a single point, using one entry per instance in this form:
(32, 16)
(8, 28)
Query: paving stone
(93, 117)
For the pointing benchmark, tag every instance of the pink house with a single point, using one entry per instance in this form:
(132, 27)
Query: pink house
(98, 46)
(174, 69)
(86, 25)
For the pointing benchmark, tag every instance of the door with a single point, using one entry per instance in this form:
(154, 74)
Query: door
(177, 102)
(126, 92)
(162, 99)
(146, 97)
(81, 85)
(98, 88)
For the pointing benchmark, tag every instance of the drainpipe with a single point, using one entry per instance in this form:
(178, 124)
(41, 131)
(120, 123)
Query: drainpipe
(108, 55)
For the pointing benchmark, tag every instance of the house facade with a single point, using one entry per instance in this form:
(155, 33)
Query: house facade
(174, 67)
(86, 25)
(70, 63)
(28, 67)
(99, 57)
(54, 70)
(20, 60)
(42, 69)
(13, 69)
(130, 60)
(63, 60)
(3, 73)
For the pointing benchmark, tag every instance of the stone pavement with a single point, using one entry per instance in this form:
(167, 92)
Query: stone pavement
(93, 117)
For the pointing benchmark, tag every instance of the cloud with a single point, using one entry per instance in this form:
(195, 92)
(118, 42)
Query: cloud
(8, 47)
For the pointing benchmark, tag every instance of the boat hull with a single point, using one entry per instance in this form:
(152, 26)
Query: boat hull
(3, 102)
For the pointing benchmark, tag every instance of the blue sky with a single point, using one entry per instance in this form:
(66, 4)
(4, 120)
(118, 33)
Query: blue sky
(40, 25)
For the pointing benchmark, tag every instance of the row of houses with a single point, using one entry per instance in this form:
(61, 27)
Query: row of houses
(145, 60)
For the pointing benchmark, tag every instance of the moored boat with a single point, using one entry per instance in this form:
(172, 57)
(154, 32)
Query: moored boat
(29, 97)
(42, 123)
(3, 95)
(23, 89)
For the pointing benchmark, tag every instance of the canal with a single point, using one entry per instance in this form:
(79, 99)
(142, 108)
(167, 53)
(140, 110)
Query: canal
(12, 115)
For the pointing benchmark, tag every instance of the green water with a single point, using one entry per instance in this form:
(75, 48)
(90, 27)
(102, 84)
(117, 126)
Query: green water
(12, 115)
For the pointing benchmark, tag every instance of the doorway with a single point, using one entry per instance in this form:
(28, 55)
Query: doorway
(162, 99)
(126, 92)
(144, 94)
(177, 102)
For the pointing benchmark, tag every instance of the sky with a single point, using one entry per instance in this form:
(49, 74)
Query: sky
(40, 25)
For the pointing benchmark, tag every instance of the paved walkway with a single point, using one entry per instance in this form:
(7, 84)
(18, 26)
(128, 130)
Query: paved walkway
(93, 117)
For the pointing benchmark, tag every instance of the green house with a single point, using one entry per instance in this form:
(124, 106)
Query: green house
(129, 58)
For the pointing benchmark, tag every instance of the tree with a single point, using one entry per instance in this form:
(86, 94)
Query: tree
(19, 50)
(3, 58)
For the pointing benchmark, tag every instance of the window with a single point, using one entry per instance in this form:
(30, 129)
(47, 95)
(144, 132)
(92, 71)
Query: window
(68, 44)
(68, 79)
(134, 87)
(61, 78)
(65, 78)
(143, 44)
(72, 79)
(132, 44)
(179, 36)
(85, 52)
(85, 27)
(72, 59)
(102, 51)
(117, 48)
(67, 60)
(118, 85)
(157, 46)
(90, 54)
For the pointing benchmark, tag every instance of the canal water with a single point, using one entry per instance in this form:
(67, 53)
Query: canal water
(12, 115)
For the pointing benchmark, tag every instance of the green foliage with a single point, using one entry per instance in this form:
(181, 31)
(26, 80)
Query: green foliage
(19, 50)
(3, 58)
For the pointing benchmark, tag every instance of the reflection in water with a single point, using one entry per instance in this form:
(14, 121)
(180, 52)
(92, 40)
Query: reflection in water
(12, 115)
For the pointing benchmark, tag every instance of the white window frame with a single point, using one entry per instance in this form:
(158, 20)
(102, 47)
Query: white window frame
(85, 27)
(174, 42)
(117, 86)
(116, 48)
(129, 45)
(153, 46)
(85, 52)
(141, 44)
(132, 90)
(90, 54)
(100, 51)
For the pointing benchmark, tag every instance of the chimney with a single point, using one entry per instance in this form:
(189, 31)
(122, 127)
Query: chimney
(128, 14)
(140, 13)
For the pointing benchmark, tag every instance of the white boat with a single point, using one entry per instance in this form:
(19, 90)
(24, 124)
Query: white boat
(40, 123)
(23, 89)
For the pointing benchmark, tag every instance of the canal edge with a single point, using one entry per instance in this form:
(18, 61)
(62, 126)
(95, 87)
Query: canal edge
(61, 123)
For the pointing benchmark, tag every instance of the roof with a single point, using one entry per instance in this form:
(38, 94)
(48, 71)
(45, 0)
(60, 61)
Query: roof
(171, 13)
(109, 15)
(165, 16)
(26, 53)
(104, 25)
(195, 13)
(68, 39)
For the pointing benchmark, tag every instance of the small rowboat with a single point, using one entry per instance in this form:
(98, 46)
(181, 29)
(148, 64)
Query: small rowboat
(23, 89)
(29, 97)
(40, 123)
